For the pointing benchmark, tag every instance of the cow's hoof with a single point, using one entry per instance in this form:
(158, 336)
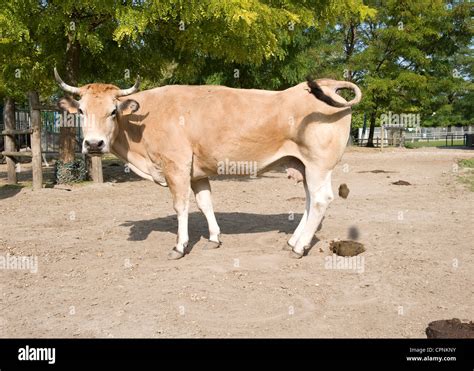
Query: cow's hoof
(212, 245)
(296, 255)
(287, 247)
(175, 254)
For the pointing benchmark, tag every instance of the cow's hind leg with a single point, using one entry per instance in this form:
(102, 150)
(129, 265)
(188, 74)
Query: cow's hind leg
(180, 189)
(297, 233)
(321, 195)
(202, 192)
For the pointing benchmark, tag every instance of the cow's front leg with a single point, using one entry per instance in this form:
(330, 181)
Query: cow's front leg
(202, 191)
(180, 189)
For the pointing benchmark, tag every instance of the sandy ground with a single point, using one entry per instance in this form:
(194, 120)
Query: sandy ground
(103, 272)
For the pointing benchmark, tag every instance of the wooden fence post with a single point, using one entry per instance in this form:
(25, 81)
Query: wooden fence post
(9, 120)
(35, 117)
(96, 169)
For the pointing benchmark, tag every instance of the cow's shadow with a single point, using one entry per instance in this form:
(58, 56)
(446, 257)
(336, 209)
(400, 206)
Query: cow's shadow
(229, 223)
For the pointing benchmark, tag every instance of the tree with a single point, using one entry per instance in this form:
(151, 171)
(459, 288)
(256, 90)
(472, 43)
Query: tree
(409, 56)
(287, 64)
(95, 40)
(406, 57)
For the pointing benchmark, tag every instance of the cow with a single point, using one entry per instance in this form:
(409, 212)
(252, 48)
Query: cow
(179, 135)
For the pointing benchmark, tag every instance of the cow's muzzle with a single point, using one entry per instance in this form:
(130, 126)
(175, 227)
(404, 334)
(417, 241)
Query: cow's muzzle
(93, 147)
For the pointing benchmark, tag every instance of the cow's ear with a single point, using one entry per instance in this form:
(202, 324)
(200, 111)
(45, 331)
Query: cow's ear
(68, 104)
(128, 107)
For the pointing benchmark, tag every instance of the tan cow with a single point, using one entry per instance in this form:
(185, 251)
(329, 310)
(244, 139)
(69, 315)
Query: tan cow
(178, 136)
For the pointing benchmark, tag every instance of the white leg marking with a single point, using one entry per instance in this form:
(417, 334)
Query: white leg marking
(202, 191)
(319, 185)
(181, 207)
(297, 233)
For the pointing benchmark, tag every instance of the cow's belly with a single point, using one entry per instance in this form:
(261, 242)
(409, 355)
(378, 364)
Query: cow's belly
(240, 164)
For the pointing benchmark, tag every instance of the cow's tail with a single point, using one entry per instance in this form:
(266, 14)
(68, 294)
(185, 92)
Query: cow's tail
(335, 85)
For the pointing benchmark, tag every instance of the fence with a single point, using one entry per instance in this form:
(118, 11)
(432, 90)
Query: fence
(50, 126)
(35, 133)
(449, 139)
(10, 133)
(376, 141)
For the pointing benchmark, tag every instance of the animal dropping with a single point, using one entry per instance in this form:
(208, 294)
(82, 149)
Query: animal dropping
(401, 182)
(343, 190)
(346, 248)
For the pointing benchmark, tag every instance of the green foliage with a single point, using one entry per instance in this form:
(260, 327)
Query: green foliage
(71, 172)
(150, 37)
(433, 143)
(414, 58)
(466, 176)
(467, 163)
(409, 56)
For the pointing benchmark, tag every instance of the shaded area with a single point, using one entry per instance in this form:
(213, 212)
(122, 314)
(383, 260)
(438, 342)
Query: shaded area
(230, 223)
(241, 178)
(456, 147)
(24, 174)
(353, 233)
(296, 199)
(376, 171)
(116, 171)
(9, 190)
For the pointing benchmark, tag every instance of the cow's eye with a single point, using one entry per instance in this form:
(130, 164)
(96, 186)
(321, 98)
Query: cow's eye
(114, 112)
(80, 111)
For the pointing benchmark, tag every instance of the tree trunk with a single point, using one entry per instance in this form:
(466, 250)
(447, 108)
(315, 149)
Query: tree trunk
(349, 46)
(370, 140)
(67, 135)
(10, 146)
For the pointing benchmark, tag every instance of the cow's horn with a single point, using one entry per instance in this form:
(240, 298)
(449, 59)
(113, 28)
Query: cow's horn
(133, 89)
(67, 88)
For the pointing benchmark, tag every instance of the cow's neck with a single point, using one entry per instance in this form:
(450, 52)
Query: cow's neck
(134, 154)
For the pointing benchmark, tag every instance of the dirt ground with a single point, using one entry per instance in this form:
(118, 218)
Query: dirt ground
(103, 272)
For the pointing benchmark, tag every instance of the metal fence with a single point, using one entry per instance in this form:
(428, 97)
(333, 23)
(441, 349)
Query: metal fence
(448, 140)
(50, 125)
(361, 142)
(22, 122)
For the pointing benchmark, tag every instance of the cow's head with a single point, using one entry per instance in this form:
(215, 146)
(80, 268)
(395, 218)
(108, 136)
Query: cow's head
(99, 108)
